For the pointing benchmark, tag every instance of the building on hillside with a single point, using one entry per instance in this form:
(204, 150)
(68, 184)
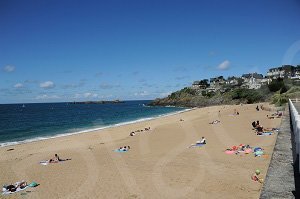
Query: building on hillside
(253, 80)
(202, 84)
(232, 81)
(285, 71)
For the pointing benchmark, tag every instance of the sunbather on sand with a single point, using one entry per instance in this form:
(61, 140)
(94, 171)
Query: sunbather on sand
(14, 187)
(215, 122)
(199, 142)
(56, 159)
(270, 117)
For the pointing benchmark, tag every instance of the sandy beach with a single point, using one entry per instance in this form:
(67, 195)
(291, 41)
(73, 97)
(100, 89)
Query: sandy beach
(158, 165)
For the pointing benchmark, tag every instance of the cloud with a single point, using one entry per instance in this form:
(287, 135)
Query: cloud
(86, 95)
(143, 93)
(89, 95)
(43, 97)
(109, 86)
(9, 68)
(18, 85)
(47, 85)
(224, 65)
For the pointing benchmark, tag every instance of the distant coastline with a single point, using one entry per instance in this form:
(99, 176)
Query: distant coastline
(98, 102)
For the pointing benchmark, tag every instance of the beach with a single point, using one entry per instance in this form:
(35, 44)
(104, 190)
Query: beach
(159, 163)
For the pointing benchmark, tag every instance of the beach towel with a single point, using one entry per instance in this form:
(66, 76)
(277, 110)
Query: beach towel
(266, 133)
(44, 162)
(7, 192)
(230, 152)
(196, 145)
(120, 151)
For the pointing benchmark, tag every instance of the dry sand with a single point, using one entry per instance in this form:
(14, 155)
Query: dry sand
(159, 164)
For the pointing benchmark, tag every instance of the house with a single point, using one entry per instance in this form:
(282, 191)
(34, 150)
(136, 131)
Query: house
(285, 71)
(232, 81)
(202, 84)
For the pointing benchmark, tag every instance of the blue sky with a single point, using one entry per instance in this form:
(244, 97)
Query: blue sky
(123, 49)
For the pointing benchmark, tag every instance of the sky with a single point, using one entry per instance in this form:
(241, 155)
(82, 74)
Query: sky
(61, 50)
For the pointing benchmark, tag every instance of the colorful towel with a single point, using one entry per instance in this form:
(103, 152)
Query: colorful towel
(120, 151)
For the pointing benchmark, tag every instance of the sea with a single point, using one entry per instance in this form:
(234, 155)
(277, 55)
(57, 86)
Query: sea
(22, 123)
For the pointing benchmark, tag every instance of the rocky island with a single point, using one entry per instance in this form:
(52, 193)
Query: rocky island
(98, 102)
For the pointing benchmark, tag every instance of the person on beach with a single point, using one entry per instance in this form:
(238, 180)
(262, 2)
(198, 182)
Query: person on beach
(254, 124)
(132, 133)
(57, 159)
(199, 143)
(257, 108)
(14, 187)
(215, 122)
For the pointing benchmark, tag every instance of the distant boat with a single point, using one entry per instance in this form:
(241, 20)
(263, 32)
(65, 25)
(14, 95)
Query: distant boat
(23, 106)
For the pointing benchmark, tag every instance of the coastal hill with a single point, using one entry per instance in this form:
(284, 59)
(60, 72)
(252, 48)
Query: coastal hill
(250, 88)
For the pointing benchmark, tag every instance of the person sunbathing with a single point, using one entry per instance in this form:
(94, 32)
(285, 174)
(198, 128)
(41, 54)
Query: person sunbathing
(215, 122)
(56, 159)
(132, 133)
(270, 117)
(14, 187)
(199, 142)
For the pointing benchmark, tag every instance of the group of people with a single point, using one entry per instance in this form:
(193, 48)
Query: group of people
(133, 133)
(259, 129)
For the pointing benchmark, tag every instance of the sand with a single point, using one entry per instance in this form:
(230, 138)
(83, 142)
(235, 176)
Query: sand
(159, 164)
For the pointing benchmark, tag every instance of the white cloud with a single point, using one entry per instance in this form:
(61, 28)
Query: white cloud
(47, 85)
(86, 95)
(9, 68)
(143, 93)
(18, 85)
(224, 65)
(90, 95)
(42, 97)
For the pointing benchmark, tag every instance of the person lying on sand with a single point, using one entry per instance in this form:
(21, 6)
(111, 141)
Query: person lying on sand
(199, 142)
(270, 117)
(132, 134)
(215, 122)
(56, 159)
(14, 187)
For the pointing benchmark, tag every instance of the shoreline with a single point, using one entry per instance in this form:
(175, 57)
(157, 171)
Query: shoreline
(37, 139)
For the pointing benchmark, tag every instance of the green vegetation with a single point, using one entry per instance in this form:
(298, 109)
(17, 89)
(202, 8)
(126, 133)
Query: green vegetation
(277, 92)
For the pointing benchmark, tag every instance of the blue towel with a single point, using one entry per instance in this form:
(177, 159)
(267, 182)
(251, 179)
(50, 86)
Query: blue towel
(120, 151)
(266, 133)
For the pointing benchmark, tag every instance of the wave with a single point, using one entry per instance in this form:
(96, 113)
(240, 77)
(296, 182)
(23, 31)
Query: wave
(11, 143)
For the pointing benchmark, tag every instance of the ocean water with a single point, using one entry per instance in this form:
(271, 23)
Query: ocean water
(30, 122)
